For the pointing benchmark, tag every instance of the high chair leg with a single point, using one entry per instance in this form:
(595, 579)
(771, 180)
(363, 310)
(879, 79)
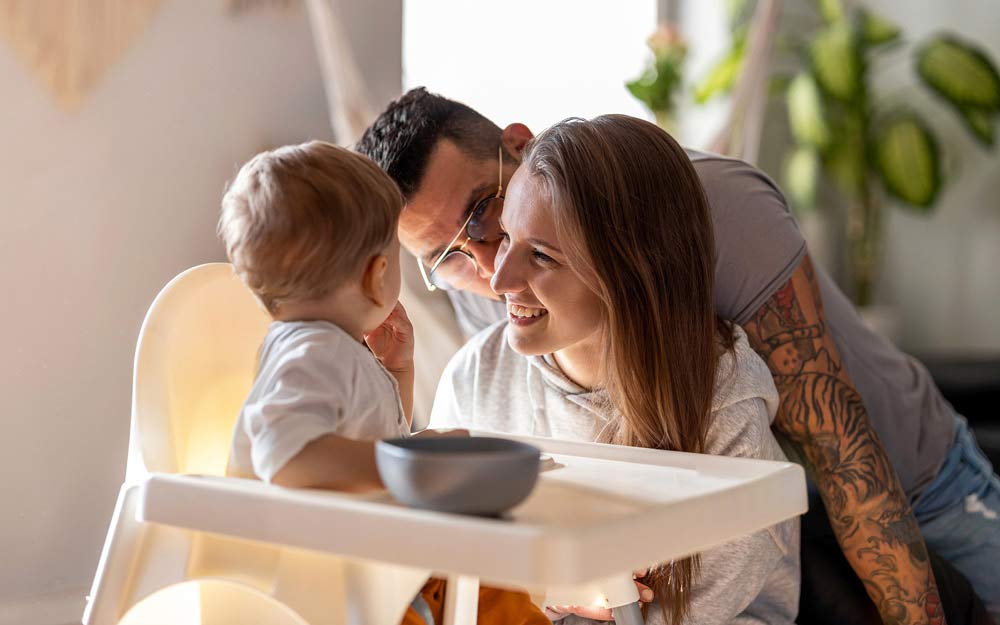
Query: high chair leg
(137, 560)
(461, 600)
(105, 602)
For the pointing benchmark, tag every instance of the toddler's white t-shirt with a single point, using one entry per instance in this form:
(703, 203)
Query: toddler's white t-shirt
(312, 379)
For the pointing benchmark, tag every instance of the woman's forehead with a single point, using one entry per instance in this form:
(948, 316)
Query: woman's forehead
(527, 209)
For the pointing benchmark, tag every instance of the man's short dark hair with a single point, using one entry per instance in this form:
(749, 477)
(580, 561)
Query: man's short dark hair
(403, 137)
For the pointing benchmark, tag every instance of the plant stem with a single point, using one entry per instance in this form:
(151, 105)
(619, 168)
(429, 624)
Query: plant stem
(864, 221)
(864, 231)
(666, 121)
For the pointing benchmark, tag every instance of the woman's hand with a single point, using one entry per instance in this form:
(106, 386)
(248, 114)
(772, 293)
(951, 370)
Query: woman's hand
(599, 613)
(392, 342)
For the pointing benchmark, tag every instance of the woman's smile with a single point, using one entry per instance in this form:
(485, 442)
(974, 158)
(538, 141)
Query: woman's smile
(521, 316)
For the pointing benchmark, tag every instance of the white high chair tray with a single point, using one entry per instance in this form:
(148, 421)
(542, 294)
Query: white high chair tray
(603, 510)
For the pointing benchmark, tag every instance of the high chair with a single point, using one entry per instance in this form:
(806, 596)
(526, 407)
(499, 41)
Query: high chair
(188, 546)
(194, 366)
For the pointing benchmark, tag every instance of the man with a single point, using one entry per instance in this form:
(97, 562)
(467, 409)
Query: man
(842, 388)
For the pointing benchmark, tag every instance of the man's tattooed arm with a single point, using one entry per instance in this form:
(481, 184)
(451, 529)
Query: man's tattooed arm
(822, 415)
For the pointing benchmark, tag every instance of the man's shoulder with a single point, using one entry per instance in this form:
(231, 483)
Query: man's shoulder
(706, 160)
(700, 155)
(757, 242)
(730, 182)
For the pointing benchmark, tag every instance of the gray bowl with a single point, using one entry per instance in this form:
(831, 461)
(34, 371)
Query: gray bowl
(478, 475)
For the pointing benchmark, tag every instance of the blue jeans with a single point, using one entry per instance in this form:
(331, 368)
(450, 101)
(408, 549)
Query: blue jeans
(959, 515)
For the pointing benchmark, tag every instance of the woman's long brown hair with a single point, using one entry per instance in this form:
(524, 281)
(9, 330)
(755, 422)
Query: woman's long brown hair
(634, 220)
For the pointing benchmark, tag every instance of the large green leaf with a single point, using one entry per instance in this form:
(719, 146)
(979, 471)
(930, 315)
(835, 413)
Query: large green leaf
(836, 61)
(805, 112)
(642, 88)
(961, 73)
(722, 76)
(908, 161)
(981, 124)
(801, 170)
(876, 30)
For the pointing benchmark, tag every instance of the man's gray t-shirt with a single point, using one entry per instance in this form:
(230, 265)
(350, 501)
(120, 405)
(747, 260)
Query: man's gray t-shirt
(758, 246)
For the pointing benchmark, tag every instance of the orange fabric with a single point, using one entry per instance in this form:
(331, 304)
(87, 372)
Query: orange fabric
(496, 606)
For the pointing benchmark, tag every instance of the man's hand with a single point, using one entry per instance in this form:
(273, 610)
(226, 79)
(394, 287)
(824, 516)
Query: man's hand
(823, 416)
(392, 342)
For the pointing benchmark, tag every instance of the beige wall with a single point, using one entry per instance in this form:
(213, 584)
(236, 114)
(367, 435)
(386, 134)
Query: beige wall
(99, 209)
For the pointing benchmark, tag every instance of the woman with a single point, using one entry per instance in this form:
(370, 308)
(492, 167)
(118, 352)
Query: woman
(607, 267)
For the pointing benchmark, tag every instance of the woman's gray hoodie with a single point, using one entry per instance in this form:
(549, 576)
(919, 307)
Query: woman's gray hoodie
(753, 579)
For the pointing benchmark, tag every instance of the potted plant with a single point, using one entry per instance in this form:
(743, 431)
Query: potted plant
(663, 77)
(870, 145)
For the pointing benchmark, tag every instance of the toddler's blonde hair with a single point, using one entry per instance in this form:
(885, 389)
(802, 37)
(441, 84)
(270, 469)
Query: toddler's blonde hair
(302, 220)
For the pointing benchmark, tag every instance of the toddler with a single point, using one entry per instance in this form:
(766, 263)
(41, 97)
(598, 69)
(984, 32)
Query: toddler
(311, 230)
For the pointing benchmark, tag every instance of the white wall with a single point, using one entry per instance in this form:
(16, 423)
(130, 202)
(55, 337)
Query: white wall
(100, 208)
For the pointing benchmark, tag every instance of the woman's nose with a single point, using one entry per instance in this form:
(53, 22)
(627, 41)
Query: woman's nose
(506, 276)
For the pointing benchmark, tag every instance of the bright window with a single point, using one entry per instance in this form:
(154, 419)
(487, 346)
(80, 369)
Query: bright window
(529, 61)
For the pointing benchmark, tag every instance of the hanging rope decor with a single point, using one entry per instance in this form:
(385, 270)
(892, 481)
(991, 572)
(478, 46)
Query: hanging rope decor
(347, 95)
(69, 44)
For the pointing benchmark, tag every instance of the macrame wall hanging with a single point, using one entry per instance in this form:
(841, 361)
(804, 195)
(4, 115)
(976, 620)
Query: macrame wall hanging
(70, 44)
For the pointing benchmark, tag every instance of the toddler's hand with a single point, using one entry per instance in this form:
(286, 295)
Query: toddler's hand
(392, 342)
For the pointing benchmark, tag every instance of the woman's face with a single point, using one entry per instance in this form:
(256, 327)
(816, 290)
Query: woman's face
(549, 307)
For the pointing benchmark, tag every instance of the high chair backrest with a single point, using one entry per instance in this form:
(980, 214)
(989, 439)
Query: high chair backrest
(194, 365)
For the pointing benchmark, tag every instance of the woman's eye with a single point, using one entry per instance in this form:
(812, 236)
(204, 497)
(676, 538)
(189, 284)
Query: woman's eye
(543, 257)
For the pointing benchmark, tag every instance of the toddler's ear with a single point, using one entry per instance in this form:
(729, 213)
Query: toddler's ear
(373, 280)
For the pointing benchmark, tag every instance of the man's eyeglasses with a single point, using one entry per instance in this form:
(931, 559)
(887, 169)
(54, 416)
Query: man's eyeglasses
(456, 268)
